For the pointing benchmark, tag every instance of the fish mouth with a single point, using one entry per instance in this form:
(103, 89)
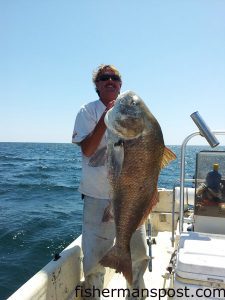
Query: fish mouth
(130, 127)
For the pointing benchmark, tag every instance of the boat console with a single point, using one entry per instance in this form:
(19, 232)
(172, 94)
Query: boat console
(200, 260)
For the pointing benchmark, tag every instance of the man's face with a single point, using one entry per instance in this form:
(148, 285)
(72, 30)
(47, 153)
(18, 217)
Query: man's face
(108, 85)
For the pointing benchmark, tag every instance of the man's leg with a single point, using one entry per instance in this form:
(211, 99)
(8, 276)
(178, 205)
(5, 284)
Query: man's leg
(140, 261)
(97, 239)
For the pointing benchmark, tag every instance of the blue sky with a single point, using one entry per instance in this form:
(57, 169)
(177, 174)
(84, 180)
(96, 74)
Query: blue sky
(172, 53)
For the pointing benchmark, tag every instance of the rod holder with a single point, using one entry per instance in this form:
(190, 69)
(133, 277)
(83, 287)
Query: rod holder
(204, 129)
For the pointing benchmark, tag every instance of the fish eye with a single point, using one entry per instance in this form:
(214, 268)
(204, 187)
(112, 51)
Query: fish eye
(133, 103)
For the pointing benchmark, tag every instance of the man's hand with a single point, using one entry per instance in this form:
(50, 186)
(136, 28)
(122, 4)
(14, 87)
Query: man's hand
(110, 105)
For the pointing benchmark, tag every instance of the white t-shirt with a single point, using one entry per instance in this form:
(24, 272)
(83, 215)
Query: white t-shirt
(94, 182)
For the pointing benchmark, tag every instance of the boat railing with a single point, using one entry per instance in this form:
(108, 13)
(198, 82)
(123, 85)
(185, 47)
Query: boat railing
(177, 184)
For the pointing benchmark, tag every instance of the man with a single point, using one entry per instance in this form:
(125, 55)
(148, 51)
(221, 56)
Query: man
(97, 236)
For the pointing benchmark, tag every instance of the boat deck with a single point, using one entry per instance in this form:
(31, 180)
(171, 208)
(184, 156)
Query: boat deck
(161, 252)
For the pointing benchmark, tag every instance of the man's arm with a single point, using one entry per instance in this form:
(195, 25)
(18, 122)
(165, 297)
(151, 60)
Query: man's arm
(90, 144)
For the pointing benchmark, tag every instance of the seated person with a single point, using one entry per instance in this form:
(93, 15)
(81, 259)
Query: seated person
(211, 189)
(213, 182)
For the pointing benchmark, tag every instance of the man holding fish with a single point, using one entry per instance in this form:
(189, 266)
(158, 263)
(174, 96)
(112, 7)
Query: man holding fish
(120, 168)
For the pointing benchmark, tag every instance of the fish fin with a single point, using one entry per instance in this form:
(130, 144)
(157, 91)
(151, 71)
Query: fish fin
(152, 203)
(108, 213)
(119, 260)
(168, 156)
(117, 157)
(98, 159)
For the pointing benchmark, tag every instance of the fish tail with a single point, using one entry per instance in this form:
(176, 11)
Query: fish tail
(120, 261)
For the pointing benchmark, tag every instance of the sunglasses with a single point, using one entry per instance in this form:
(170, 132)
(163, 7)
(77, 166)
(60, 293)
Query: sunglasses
(107, 77)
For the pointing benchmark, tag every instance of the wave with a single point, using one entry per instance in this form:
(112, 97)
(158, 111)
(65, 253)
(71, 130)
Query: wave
(8, 187)
(15, 158)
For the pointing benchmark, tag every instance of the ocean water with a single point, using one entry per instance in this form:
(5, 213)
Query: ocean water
(41, 208)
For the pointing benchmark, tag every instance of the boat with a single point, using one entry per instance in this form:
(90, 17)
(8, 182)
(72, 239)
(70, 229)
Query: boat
(185, 236)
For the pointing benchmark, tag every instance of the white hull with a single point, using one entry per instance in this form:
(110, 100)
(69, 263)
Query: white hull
(57, 279)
